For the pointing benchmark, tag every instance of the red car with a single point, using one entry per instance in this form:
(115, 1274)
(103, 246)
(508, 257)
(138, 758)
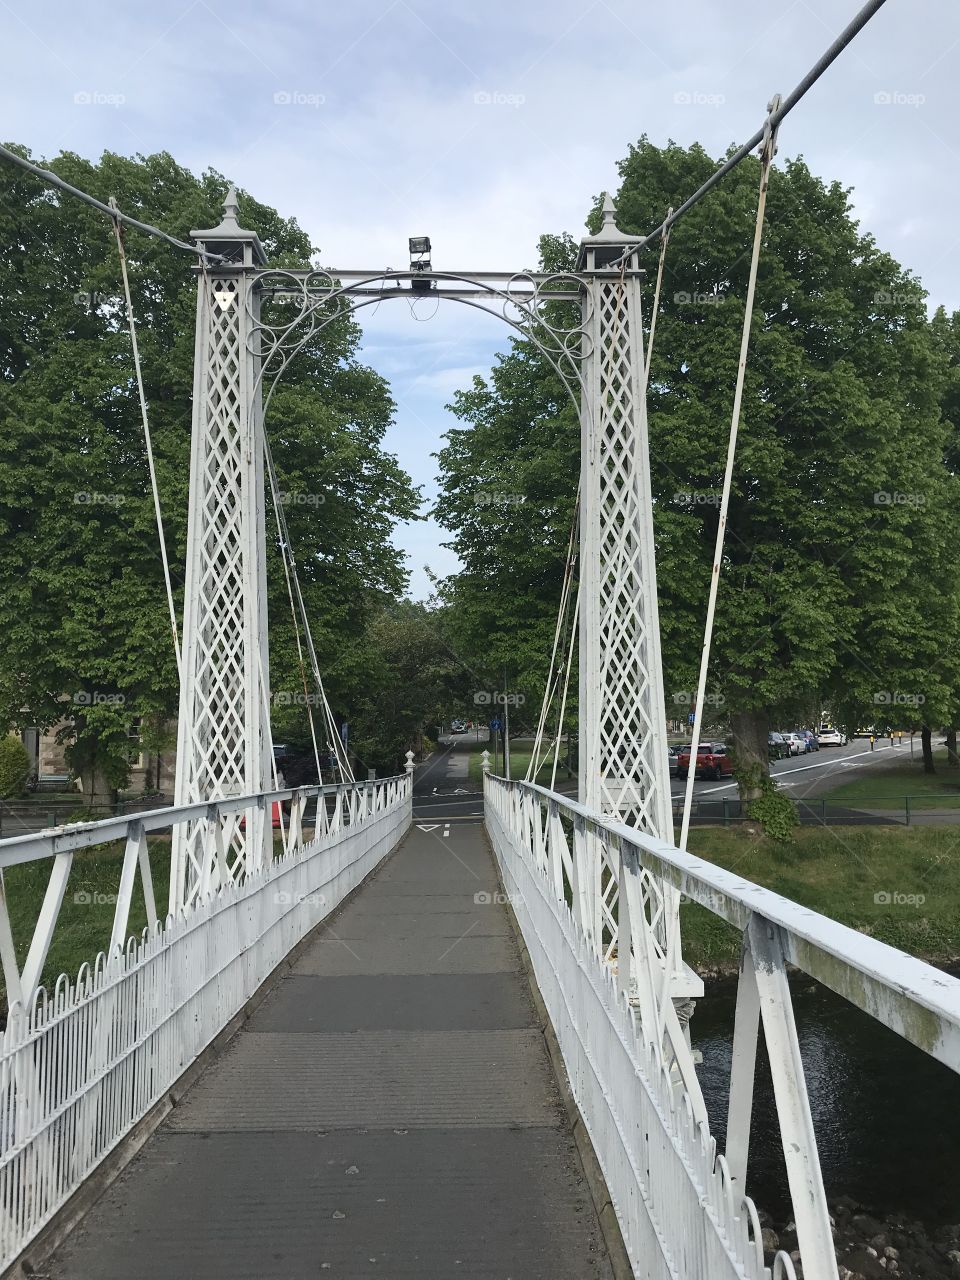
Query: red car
(713, 761)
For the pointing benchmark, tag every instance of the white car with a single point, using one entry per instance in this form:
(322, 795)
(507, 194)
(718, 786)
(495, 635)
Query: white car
(830, 737)
(796, 743)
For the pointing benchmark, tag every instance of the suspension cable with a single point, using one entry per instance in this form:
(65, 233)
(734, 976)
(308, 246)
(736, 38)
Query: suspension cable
(566, 687)
(534, 766)
(655, 305)
(112, 212)
(144, 416)
(296, 624)
(343, 761)
(766, 160)
(853, 28)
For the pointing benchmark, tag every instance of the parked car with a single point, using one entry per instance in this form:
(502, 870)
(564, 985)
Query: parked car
(831, 737)
(777, 746)
(813, 742)
(713, 761)
(795, 742)
(672, 753)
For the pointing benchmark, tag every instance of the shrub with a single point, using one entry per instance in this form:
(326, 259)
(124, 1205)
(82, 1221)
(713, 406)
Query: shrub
(14, 766)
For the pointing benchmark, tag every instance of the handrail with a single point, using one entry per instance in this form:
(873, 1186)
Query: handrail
(71, 836)
(919, 1002)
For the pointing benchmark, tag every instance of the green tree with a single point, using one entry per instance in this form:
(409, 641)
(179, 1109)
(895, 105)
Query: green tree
(836, 543)
(82, 608)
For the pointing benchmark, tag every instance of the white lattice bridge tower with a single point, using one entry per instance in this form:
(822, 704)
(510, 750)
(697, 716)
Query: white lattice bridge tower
(224, 744)
(624, 771)
(623, 751)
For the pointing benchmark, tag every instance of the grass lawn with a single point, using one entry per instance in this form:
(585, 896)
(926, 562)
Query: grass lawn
(86, 917)
(890, 785)
(519, 762)
(840, 873)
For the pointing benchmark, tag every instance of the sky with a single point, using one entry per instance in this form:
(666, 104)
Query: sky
(484, 125)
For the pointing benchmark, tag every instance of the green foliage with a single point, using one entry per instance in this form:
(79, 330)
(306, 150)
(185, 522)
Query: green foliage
(14, 766)
(82, 607)
(840, 580)
(775, 811)
(413, 679)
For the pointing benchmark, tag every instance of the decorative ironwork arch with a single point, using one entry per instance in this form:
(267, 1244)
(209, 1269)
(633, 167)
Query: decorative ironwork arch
(315, 290)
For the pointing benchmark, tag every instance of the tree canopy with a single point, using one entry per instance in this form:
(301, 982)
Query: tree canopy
(82, 609)
(839, 582)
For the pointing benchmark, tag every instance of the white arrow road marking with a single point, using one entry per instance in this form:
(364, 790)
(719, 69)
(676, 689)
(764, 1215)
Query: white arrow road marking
(429, 826)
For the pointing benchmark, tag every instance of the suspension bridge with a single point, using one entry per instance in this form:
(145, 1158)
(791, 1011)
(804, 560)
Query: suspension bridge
(360, 1045)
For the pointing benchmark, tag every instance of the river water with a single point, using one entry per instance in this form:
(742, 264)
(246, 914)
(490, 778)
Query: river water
(886, 1116)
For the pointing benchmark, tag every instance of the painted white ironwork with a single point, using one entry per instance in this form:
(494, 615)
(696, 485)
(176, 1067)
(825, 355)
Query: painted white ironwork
(623, 748)
(224, 744)
(623, 770)
(80, 1064)
(681, 1204)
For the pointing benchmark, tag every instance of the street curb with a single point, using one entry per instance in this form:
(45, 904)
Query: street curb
(29, 1264)
(590, 1165)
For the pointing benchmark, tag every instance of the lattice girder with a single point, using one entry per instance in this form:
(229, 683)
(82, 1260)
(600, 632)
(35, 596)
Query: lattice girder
(224, 743)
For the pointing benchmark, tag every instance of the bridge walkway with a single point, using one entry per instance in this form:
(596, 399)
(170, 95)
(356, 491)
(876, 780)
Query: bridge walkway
(389, 1109)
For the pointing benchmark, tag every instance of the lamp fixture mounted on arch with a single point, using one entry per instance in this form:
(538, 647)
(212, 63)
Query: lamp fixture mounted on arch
(420, 263)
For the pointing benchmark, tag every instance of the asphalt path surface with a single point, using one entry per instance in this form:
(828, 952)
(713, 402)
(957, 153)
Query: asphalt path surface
(442, 787)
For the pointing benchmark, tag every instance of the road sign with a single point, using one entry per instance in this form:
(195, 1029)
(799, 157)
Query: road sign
(495, 725)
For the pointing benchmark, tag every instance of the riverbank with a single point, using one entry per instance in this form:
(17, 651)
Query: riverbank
(868, 1247)
(898, 884)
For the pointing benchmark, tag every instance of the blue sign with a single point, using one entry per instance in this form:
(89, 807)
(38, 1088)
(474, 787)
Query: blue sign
(691, 718)
(495, 725)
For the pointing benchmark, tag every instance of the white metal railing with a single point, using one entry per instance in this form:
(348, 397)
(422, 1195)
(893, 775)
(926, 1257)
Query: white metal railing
(681, 1204)
(80, 1065)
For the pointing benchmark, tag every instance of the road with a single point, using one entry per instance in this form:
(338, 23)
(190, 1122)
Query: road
(442, 787)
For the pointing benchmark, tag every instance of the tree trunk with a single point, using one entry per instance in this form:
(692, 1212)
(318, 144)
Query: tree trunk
(97, 791)
(751, 755)
(925, 735)
(953, 760)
